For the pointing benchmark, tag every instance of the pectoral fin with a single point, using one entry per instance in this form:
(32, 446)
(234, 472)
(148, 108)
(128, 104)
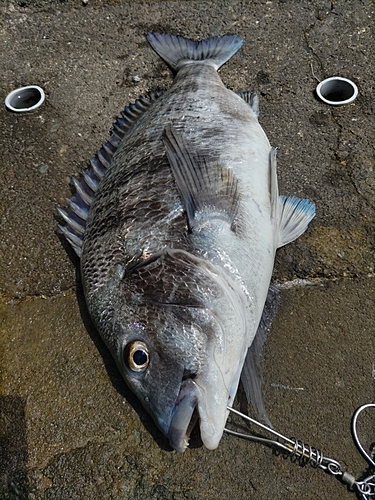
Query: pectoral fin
(294, 216)
(291, 214)
(205, 186)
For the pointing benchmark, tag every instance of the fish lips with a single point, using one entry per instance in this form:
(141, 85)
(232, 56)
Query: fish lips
(184, 416)
(191, 405)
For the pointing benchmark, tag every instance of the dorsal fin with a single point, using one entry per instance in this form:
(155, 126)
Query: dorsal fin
(76, 213)
(203, 183)
(252, 100)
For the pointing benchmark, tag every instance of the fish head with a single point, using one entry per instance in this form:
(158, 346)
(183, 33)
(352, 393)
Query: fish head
(165, 359)
(168, 337)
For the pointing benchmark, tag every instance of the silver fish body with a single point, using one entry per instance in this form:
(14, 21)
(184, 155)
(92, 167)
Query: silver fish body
(177, 236)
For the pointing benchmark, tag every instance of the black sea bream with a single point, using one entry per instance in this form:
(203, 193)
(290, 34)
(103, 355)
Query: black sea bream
(176, 223)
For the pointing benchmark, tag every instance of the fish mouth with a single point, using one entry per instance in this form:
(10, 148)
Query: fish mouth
(193, 404)
(185, 416)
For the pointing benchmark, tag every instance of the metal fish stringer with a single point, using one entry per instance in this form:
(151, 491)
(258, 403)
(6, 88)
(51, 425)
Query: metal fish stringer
(304, 454)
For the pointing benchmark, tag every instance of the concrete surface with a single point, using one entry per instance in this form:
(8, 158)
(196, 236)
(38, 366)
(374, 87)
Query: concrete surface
(69, 428)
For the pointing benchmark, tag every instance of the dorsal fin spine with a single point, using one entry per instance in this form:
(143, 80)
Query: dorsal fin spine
(91, 179)
(78, 206)
(81, 210)
(82, 189)
(97, 167)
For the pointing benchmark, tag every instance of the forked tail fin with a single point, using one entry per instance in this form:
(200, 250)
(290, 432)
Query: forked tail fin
(178, 50)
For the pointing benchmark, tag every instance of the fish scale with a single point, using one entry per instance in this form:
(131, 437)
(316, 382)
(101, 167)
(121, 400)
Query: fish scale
(176, 223)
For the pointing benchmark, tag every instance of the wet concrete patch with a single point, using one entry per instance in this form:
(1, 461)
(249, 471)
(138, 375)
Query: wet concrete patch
(13, 448)
(76, 432)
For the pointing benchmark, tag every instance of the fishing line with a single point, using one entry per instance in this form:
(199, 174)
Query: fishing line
(304, 454)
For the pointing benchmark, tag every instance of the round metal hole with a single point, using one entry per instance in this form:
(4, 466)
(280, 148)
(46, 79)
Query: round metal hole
(337, 91)
(25, 99)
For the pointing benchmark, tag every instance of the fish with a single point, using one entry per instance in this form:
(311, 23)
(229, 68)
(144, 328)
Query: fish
(176, 222)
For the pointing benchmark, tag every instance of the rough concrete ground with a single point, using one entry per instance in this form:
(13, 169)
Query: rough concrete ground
(69, 429)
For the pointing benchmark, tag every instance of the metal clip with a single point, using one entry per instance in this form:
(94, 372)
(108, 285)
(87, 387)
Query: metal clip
(306, 454)
(365, 487)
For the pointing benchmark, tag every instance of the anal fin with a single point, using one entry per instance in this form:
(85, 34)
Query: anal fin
(251, 375)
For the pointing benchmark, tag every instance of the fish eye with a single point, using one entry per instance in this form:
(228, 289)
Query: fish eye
(136, 356)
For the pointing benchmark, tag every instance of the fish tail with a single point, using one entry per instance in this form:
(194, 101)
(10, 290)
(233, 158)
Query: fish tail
(178, 50)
